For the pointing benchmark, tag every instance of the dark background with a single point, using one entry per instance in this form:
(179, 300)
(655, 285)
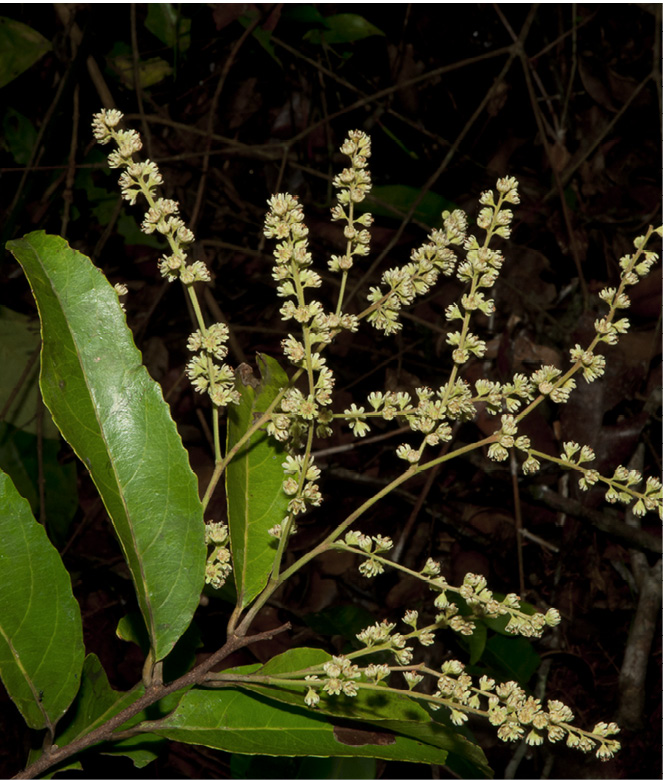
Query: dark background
(258, 100)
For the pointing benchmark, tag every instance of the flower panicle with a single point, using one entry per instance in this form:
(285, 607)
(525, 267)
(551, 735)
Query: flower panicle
(505, 705)
(203, 369)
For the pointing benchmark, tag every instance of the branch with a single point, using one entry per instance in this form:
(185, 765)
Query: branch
(105, 732)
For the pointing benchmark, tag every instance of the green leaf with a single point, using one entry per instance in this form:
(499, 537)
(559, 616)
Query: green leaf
(18, 136)
(19, 345)
(131, 628)
(150, 72)
(346, 620)
(394, 200)
(20, 48)
(384, 709)
(169, 26)
(254, 478)
(114, 417)
(475, 643)
(305, 13)
(463, 757)
(264, 37)
(19, 457)
(241, 722)
(41, 635)
(366, 705)
(357, 768)
(512, 657)
(343, 28)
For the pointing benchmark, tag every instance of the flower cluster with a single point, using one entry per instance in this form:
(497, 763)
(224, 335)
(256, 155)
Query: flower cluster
(621, 486)
(634, 267)
(304, 410)
(496, 396)
(482, 603)
(428, 416)
(218, 566)
(353, 184)
(546, 381)
(216, 379)
(370, 546)
(419, 275)
(454, 401)
(506, 439)
(207, 376)
(144, 177)
(340, 678)
(298, 410)
(480, 269)
(379, 636)
(517, 715)
(301, 475)
(505, 705)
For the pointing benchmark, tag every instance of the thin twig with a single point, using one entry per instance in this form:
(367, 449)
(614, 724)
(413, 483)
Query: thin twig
(421, 498)
(518, 516)
(68, 193)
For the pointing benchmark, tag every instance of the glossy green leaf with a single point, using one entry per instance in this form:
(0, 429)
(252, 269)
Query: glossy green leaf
(131, 628)
(383, 709)
(346, 620)
(41, 635)
(294, 660)
(463, 757)
(511, 657)
(19, 457)
(150, 71)
(241, 722)
(96, 702)
(167, 23)
(113, 415)
(367, 705)
(19, 348)
(254, 478)
(305, 13)
(20, 48)
(343, 28)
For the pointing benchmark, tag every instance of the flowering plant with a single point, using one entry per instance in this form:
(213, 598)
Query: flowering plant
(401, 705)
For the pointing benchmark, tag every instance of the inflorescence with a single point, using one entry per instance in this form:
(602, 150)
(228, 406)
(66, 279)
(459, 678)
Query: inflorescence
(304, 411)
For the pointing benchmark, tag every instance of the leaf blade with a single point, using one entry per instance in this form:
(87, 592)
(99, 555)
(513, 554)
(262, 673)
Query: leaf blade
(41, 634)
(114, 417)
(241, 722)
(384, 710)
(254, 478)
(20, 48)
